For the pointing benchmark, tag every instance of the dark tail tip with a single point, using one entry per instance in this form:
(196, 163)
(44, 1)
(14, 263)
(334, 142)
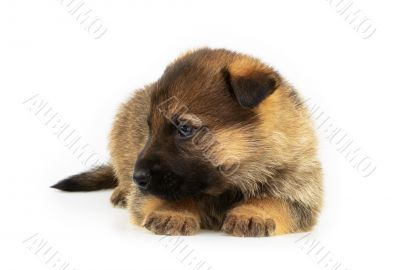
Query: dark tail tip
(98, 178)
(68, 184)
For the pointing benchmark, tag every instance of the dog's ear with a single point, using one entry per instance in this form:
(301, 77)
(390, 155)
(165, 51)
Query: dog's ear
(251, 81)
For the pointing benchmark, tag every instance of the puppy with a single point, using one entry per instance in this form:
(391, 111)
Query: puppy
(219, 142)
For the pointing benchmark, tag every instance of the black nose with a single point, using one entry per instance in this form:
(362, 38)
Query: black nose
(142, 177)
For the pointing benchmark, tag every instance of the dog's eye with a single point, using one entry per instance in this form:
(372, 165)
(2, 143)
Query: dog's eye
(185, 130)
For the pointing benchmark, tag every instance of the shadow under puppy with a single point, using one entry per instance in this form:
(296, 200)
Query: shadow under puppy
(219, 142)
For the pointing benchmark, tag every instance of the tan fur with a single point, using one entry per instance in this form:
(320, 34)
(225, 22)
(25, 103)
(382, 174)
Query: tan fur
(162, 217)
(127, 138)
(260, 217)
(245, 66)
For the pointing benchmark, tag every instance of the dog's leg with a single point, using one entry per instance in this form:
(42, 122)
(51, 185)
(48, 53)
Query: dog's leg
(120, 193)
(260, 217)
(168, 218)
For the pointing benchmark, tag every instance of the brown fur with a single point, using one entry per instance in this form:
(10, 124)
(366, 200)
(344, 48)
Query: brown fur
(267, 142)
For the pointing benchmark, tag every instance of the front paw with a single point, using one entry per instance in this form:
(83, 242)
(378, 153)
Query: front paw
(248, 226)
(171, 223)
(119, 196)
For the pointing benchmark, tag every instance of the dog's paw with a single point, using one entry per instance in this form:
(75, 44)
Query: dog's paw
(171, 223)
(248, 226)
(119, 197)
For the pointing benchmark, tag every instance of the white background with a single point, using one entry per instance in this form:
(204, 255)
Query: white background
(45, 51)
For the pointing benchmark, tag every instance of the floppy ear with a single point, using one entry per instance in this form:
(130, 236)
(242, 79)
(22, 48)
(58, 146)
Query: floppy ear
(251, 81)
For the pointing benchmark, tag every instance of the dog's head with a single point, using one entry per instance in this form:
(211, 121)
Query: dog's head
(202, 123)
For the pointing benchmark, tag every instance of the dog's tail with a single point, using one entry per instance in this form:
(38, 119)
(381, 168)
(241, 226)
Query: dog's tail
(101, 177)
